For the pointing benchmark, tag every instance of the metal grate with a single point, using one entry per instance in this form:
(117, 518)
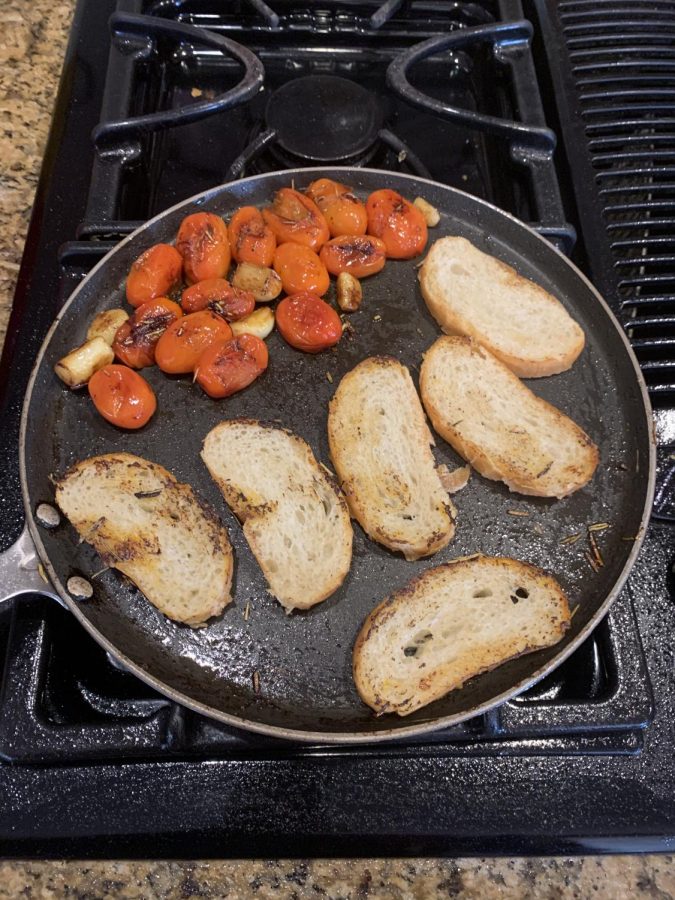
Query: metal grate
(622, 58)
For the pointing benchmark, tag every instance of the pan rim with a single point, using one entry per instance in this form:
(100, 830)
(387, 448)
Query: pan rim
(335, 737)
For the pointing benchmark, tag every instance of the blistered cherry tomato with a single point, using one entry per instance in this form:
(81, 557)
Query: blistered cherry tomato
(154, 274)
(250, 239)
(300, 269)
(137, 338)
(294, 217)
(205, 247)
(307, 323)
(229, 366)
(346, 215)
(361, 255)
(220, 297)
(179, 348)
(324, 191)
(122, 396)
(400, 224)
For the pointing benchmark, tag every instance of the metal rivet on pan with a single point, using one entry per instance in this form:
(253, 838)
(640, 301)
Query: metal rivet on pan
(80, 588)
(47, 515)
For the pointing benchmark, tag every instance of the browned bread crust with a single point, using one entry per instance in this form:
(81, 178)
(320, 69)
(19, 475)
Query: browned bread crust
(471, 293)
(499, 426)
(293, 514)
(450, 624)
(380, 445)
(154, 530)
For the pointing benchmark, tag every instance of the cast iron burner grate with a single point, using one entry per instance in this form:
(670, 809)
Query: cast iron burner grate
(467, 114)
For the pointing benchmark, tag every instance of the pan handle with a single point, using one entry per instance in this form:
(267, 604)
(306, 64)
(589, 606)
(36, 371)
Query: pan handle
(20, 571)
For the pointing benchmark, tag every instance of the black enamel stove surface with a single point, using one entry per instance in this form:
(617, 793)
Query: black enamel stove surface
(96, 763)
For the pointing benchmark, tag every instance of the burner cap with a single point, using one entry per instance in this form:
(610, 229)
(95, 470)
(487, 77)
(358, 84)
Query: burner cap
(324, 118)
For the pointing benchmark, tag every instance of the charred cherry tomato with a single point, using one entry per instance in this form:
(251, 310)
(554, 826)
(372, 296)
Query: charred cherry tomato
(300, 269)
(250, 239)
(179, 348)
(400, 224)
(307, 323)
(360, 255)
(294, 217)
(122, 396)
(153, 274)
(229, 366)
(221, 297)
(137, 338)
(205, 247)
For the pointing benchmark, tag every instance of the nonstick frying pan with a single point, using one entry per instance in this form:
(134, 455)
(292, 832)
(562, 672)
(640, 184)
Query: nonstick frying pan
(303, 688)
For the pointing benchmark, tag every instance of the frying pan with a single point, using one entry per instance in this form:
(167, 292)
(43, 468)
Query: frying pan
(303, 688)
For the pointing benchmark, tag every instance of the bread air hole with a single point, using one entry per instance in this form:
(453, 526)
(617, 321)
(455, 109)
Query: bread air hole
(482, 592)
(458, 269)
(522, 593)
(415, 646)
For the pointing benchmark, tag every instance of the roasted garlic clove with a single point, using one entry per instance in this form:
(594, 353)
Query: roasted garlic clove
(349, 293)
(260, 323)
(79, 365)
(262, 282)
(431, 215)
(105, 325)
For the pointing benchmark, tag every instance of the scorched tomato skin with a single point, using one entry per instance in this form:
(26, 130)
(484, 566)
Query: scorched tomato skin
(251, 240)
(294, 217)
(122, 396)
(221, 297)
(398, 223)
(204, 245)
(154, 274)
(308, 323)
(137, 338)
(179, 348)
(229, 366)
(361, 255)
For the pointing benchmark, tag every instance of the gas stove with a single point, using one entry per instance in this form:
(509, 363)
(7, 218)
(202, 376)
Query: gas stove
(163, 99)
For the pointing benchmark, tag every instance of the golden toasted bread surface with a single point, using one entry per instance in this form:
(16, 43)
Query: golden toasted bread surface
(452, 623)
(380, 445)
(294, 516)
(499, 425)
(471, 293)
(153, 529)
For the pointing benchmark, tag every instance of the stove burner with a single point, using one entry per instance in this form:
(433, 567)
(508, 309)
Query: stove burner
(324, 119)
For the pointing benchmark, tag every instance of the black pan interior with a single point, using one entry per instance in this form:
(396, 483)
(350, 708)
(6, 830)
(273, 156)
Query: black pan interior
(303, 660)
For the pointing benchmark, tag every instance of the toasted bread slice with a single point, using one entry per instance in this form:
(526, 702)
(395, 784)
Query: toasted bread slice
(380, 446)
(154, 530)
(452, 623)
(499, 426)
(471, 293)
(294, 517)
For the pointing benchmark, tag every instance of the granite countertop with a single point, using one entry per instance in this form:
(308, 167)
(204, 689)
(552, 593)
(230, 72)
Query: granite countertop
(33, 36)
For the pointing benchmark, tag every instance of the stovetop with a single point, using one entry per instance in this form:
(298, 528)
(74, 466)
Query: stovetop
(96, 762)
